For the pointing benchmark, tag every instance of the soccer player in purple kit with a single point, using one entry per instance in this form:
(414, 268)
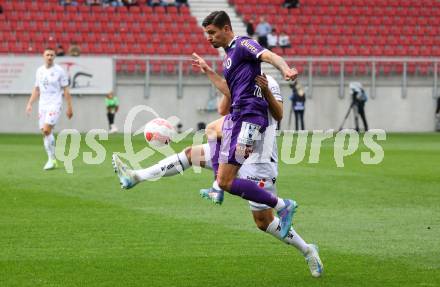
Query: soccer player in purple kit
(248, 116)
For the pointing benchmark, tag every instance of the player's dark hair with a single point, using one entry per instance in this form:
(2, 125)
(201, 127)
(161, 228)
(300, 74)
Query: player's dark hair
(218, 19)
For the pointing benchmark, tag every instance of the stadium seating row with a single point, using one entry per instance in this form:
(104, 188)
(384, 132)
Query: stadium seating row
(37, 6)
(335, 11)
(143, 38)
(352, 27)
(72, 28)
(92, 17)
(345, 3)
(112, 48)
(28, 27)
(316, 28)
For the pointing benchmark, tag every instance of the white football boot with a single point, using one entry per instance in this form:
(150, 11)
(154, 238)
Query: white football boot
(312, 258)
(50, 164)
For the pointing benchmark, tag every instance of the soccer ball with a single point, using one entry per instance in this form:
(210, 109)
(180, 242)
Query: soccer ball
(159, 132)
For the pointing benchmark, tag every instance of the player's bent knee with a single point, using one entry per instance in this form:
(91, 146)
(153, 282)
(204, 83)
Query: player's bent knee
(224, 182)
(262, 225)
(188, 151)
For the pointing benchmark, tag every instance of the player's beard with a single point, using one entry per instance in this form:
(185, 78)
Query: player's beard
(215, 45)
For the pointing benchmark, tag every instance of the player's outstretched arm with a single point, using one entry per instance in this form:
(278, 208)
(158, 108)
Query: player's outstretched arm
(218, 81)
(289, 74)
(224, 105)
(275, 107)
(34, 96)
(68, 99)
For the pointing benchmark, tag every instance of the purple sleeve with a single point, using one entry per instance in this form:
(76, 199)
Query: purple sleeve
(250, 49)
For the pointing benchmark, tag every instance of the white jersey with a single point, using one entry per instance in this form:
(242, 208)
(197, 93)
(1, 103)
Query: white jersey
(266, 149)
(51, 83)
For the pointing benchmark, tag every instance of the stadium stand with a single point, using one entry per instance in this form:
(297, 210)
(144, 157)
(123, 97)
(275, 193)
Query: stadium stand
(316, 28)
(354, 28)
(27, 27)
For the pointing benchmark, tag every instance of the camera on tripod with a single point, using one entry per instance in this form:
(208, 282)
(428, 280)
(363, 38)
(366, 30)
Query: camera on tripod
(359, 98)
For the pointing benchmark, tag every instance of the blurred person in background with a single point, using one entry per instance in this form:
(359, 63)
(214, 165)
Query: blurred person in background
(154, 3)
(272, 39)
(129, 3)
(291, 4)
(284, 40)
(69, 2)
(93, 2)
(250, 29)
(182, 3)
(114, 3)
(359, 98)
(262, 30)
(74, 50)
(298, 99)
(112, 105)
(60, 51)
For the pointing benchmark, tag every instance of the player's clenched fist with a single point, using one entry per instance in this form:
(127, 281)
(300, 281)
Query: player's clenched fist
(291, 74)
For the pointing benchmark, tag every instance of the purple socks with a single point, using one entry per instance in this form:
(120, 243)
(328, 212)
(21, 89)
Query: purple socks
(250, 191)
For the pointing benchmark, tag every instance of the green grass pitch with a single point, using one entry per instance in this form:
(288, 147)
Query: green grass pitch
(376, 225)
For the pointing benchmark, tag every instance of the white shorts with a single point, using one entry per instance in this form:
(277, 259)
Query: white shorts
(48, 115)
(263, 174)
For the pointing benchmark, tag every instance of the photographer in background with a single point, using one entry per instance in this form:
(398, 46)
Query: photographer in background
(359, 98)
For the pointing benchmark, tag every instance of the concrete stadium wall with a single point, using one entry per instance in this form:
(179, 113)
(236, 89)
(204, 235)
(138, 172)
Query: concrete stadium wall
(324, 110)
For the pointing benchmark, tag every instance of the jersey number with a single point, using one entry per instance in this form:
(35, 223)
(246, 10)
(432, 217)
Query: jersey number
(257, 91)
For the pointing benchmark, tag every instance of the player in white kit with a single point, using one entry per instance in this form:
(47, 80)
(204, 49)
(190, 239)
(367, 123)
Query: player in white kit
(261, 167)
(51, 83)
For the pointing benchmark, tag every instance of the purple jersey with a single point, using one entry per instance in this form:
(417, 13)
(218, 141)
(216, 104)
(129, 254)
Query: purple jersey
(241, 66)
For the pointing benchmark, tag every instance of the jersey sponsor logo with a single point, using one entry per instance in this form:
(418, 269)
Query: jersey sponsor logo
(248, 133)
(227, 63)
(46, 83)
(253, 178)
(258, 179)
(247, 44)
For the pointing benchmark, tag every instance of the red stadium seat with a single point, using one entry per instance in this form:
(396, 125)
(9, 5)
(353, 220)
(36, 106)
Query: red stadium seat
(317, 28)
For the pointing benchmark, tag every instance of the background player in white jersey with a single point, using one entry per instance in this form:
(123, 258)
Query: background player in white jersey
(51, 83)
(261, 167)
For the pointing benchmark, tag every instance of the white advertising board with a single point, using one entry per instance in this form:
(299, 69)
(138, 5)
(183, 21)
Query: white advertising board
(87, 75)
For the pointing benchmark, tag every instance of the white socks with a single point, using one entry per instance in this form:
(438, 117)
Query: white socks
(292, 237)
(169, 166)
(215, 185)
(280, 204)
(49, 145)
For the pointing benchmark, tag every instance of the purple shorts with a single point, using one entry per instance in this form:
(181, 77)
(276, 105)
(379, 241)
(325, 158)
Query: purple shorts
(239, 135)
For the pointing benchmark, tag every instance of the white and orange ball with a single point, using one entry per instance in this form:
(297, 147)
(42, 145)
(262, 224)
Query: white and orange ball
(159, 132)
